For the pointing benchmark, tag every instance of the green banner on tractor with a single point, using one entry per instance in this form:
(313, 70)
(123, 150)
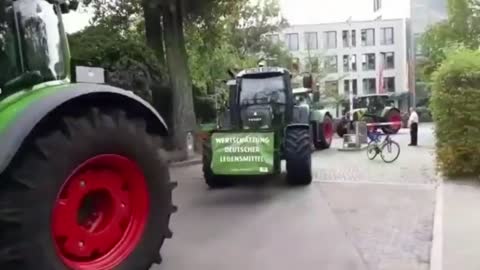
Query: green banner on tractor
(243, 153)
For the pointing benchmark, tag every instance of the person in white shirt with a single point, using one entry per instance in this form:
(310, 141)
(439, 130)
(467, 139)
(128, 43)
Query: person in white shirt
(413, 125)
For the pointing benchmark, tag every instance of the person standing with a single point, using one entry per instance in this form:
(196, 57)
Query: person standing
(413, 125)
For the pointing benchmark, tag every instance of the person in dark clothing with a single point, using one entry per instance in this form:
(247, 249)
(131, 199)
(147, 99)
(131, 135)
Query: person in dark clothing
(413, 125)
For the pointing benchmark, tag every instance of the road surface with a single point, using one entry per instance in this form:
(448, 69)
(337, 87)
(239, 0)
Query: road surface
(358, 214)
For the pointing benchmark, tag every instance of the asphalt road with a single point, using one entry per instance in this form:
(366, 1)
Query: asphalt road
(358, 214)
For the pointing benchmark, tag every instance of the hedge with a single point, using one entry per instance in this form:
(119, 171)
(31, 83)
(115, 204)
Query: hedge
(455, 106)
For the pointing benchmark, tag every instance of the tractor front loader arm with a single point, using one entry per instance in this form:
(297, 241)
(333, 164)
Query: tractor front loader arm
(23, 112)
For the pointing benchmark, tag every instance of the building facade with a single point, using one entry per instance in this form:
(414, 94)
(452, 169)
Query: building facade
(422, 15)
(359, 53)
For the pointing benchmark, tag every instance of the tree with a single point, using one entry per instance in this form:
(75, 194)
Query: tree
(461, 30)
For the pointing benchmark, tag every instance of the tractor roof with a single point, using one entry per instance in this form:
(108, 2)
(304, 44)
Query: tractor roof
(301, 90)
(374, 95)
(262, 70)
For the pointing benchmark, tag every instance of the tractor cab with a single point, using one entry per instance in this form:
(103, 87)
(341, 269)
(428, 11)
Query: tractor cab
(33, 43)
(374, 103)
(262, 98)
(303, 96)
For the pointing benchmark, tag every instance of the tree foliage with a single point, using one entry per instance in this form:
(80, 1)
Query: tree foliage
(461, 30)
(184, 44)
(455, 105)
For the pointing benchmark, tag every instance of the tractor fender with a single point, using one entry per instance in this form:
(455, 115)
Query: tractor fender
(22, 112)
(319, 115)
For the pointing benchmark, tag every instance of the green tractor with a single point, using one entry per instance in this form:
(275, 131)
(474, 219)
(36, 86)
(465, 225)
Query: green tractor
(262, 126)
(372, 109)
(321, 121)
(82, 183)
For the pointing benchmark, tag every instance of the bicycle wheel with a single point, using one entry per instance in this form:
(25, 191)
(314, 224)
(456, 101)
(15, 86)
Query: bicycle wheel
(390, 151)
(372, 150)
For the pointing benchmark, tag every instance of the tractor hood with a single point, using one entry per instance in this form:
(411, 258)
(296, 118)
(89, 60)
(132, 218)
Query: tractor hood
(257, 117)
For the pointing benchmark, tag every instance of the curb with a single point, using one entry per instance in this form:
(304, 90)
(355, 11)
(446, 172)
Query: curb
(436, 252)
(186, 163)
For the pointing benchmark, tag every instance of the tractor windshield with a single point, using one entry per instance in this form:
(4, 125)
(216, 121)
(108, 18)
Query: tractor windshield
(31, 40)
(262, 90)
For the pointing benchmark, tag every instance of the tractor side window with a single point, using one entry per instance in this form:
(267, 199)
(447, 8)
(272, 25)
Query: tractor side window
(42, 42)
(9, 58)
(262, 90)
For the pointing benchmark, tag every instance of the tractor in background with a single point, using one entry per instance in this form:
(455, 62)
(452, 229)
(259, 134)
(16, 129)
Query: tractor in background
(83, 184)
(263, 125)
(321, 121)
(372, 109)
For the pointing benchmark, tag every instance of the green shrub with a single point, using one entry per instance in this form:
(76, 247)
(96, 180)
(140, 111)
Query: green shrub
(455, 106)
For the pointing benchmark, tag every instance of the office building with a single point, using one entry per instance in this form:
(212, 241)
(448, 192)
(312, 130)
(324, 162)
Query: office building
(359, 53)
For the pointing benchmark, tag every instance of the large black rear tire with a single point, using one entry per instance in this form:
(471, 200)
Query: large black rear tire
(325, 134)
(342, 128)
(31, 194)
(211, 179)
(393, 115)
(298, 156)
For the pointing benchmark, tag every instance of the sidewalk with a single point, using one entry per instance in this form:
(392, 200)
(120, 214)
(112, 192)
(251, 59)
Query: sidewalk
(461, 225)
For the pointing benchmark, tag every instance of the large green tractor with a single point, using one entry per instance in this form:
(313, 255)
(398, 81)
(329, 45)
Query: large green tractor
(82, 184)
(262, 127)
(372, 109)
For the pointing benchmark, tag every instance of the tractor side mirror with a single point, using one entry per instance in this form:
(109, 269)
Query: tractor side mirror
(73, 5)
(308, 81)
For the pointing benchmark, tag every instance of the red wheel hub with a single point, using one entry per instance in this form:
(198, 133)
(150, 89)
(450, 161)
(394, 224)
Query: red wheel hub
(396, 118)
(328, 131)
(100, 213)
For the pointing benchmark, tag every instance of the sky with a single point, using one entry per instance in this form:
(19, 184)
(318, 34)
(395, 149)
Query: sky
(301, 12)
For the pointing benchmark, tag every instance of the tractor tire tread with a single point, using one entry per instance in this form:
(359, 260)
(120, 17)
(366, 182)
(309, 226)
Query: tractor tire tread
(298, 154)
(30, 184)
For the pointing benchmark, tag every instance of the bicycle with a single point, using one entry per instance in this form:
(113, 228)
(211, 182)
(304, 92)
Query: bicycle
(388, 146)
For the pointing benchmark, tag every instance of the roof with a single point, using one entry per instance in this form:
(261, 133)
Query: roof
(301, 90)
(375, 95)
(260, 70)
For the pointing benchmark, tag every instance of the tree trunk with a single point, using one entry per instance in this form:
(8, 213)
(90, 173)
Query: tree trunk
(153, 30)
(176, 55)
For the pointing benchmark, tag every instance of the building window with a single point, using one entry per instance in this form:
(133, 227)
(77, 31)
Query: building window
(368, 37)
(389, 84)
(368, 61)
(331, 86)
(345, 39)
(387, 36)
(330, 40)
(311, 40)
(331, 64)
(377, 4)
(346, 86)
(417, 45)
(349, 63)
(369, 86)
(349, 38)
(388, 60)
(354, 38)
(292, 41)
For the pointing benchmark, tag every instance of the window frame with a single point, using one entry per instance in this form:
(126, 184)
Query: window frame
(288, 41)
